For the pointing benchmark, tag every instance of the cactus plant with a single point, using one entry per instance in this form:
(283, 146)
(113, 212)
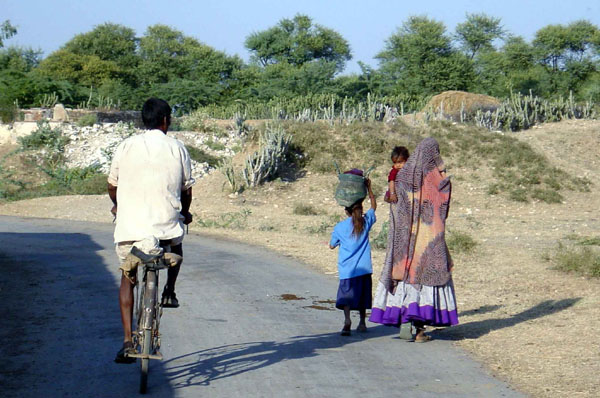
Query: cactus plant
(266, 162)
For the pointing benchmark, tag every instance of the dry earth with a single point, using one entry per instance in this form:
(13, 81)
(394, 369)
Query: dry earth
(531, 325)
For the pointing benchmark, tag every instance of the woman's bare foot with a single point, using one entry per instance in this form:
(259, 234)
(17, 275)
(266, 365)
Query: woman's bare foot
(421, 337)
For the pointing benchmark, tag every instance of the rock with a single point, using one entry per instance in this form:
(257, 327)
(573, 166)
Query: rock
(60, 114)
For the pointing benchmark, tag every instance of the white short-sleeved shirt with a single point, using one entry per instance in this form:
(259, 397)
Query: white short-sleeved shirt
(150, 171)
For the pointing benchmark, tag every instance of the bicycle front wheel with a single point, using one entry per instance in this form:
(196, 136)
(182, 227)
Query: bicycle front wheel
(145, 362)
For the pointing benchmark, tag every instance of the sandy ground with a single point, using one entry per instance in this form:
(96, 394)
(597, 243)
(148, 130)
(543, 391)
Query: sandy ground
(531, 325)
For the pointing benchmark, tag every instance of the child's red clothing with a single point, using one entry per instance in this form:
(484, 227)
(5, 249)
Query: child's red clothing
(391, 177)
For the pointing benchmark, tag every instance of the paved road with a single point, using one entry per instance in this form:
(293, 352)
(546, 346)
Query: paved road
(234, 334)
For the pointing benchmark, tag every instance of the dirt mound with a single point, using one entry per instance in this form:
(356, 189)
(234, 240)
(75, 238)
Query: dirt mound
(451, 103)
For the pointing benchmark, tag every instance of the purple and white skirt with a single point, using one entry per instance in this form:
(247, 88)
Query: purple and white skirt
(431, 305)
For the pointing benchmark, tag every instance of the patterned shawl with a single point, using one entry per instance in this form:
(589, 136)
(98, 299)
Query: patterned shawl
(416, 250)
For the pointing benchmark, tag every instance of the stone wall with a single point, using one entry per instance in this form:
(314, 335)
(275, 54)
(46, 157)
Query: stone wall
(61, 114)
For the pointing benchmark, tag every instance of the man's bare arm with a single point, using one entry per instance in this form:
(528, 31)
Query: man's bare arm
(112, 194)
(186, 202)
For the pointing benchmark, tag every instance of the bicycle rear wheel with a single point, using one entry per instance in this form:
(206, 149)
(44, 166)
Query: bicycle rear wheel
(145, 362)
(148, 324)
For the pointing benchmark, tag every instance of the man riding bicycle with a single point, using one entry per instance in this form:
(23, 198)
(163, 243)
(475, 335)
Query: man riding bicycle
(150, 183)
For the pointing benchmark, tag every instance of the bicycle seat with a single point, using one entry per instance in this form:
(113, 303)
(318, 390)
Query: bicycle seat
(144, 257)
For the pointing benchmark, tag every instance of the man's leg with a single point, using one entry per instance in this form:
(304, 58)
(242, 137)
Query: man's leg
(169, 299)
(126, 304)
(173, 272)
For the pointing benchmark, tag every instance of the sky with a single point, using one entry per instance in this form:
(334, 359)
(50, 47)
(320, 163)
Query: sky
(224, 25)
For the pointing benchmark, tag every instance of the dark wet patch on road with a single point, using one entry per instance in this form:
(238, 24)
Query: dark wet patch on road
(318, 307)
(321, 305)
(324, 301)
(290, 297)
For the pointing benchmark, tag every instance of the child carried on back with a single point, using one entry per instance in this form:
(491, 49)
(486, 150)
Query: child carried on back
(354, 259)
(399, 157)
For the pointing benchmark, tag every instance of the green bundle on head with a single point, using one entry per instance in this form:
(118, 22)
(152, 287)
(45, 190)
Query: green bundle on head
(351, 187)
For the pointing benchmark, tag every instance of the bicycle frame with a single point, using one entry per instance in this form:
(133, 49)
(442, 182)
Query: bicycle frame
(148, 312)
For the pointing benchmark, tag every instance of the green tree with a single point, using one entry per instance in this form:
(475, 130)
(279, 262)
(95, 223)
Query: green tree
(19, 58)
(568, 55)
(109, 42)
(298, 41)
(183, 70)
(551, 43)
(519, 70)
(518, 54)
(477, 33)
(419, 60)
(6, 31)
(583, 36)
(29, 88)
(509, 69)
(87, 70)
(167, 54)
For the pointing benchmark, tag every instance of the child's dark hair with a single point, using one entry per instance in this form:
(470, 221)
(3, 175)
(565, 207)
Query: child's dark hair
(358, 222)
(400, 153)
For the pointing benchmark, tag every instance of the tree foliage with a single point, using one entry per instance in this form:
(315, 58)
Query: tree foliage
(419, 59)
(108, 42)
(297, 58)
(477, 33)
(298, 41)
(6, 31)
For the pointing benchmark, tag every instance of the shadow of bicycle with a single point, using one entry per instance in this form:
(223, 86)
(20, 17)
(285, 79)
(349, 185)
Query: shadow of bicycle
(230, 360)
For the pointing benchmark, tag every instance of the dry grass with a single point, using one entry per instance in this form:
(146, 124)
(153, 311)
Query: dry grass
(530, 324)
(450, 103)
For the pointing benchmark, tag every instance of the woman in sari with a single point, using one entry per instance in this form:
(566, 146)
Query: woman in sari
(416, 282)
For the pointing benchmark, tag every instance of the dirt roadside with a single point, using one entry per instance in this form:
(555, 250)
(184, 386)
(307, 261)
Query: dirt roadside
(531, 325)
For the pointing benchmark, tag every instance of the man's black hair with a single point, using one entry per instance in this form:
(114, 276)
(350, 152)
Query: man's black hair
(154, 112)
(400, 153)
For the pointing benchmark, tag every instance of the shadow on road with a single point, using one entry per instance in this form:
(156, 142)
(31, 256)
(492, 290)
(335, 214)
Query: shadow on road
(61, 325)
(473, 330)
(206, 366)
(478, 311)
(233, 359)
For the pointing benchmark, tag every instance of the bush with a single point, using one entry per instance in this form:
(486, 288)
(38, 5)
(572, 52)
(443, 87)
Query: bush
(215, 145)
(94, 184)
(460, 242)
(87, 120)
(44, 137)
(199, 121)
(8, 111)
(580, 259)
(381, 240)
(305, 210)
(200, 156)
(63, 181)
(234, 220)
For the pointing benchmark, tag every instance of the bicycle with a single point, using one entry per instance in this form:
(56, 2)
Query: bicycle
(146, 338)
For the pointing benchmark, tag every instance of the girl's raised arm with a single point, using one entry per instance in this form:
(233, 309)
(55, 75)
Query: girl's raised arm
(371, 196)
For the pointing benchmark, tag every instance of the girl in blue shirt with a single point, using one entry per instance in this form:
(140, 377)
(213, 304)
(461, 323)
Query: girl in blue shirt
(354, 261)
